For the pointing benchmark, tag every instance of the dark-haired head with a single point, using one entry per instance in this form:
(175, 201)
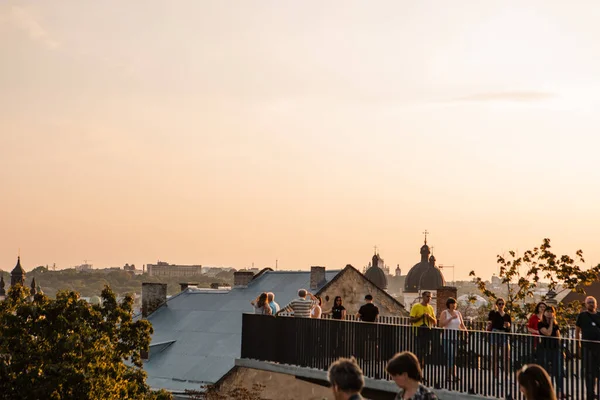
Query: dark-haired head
(405, 362)
(319, 298)
(549, 310)
(537, 307)
(368, 297)
(451, 300)
(535, 383)
(337, 301)
(262, 299)
(346, 376)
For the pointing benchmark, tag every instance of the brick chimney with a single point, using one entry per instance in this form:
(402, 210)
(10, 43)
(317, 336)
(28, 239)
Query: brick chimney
(442, 295)
(242, 278)
(154, 295)
(317, 277)
(187, 284)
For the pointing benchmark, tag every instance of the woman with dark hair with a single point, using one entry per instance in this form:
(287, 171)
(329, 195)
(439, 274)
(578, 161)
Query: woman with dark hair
(499, 323)
(337, 311)
(534, 383)
(261, 304)
(535, 318)
(452, 321)
(405, 370)
(550, 349)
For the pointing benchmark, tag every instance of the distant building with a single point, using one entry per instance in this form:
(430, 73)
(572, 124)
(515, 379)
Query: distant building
(376, 273)
(84, 267)
(426, 276)
(131, 268)
(162, 268)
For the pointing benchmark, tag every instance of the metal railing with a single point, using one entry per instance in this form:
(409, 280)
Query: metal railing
(474, 362)
(472, 325)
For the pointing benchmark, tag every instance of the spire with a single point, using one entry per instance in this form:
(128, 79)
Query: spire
(33, 287)
(2, 291)
(425, 233)
(17, 276)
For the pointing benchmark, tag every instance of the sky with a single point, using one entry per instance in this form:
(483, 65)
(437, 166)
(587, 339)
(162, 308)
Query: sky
(238, 133)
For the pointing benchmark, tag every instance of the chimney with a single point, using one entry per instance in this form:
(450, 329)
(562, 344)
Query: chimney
(242, 278)
(317, 277)
(442, 295)
(153, 296)
(187, 284)
(214, 285)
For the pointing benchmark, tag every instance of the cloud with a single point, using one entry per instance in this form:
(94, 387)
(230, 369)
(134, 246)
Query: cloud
(515, 96)
(23, 19)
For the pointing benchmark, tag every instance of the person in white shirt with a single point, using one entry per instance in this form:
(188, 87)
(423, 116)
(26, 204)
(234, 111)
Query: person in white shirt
(452, 321)
(316, 310)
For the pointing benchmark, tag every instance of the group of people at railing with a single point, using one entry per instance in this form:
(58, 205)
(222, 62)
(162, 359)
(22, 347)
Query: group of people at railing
(347, 381)
(545, 344)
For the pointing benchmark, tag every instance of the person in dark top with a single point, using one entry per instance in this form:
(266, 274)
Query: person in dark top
(337, 311)
(368, 312)
(587, 328)
(499, 323)
(550, 350)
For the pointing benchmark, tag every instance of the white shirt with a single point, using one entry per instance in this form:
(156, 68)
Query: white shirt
(454, 323)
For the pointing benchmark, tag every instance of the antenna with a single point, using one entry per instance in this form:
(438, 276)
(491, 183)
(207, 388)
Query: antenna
(448, 266)
(276, 265)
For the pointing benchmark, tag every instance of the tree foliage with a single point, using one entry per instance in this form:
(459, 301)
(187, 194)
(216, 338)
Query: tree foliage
(522, 274)
(91, 283)
(68, 349)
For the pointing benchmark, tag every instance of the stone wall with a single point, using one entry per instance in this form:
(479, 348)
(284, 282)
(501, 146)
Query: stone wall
(153, 296)
(276, 385)
(352, 286)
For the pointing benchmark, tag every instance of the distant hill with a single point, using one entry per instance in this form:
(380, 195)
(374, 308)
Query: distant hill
(122, 282)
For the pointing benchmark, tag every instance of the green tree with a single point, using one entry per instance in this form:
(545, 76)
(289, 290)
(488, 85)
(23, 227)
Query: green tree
(68, 349)
(521, 275)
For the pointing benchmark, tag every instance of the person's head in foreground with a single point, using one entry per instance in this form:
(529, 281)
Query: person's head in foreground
(405, 370)
(346, 378)
(534, 383)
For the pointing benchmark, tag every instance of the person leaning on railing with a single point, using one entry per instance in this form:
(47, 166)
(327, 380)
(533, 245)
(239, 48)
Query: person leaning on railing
(337, 311)
(587, 328)
(423, 319)
(499, 323)
(452, 321)
(301, 306)
(551, 351)
(261, 304)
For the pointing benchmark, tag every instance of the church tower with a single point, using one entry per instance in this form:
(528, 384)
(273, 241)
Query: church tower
(17, 276)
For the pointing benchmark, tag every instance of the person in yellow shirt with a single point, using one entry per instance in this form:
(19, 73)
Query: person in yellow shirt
(422, 316)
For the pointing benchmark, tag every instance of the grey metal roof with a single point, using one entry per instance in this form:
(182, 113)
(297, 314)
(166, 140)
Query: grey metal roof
(198, 333)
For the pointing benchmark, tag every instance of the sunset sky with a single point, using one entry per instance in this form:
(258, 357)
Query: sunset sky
(224, 133)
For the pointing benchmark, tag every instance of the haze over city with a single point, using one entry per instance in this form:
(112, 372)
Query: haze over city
(232, 133)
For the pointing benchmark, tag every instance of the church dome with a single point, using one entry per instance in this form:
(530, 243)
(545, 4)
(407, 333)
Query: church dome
(377, 276)
(424, 275)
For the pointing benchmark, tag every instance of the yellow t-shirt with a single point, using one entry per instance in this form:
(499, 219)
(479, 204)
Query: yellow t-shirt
(418, 310)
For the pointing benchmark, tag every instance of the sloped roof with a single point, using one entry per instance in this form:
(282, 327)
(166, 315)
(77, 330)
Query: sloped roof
(203, 329)
(348, 267)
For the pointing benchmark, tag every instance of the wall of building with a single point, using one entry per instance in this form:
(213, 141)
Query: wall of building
(353, 288)
(173, 270)
(277, 385)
